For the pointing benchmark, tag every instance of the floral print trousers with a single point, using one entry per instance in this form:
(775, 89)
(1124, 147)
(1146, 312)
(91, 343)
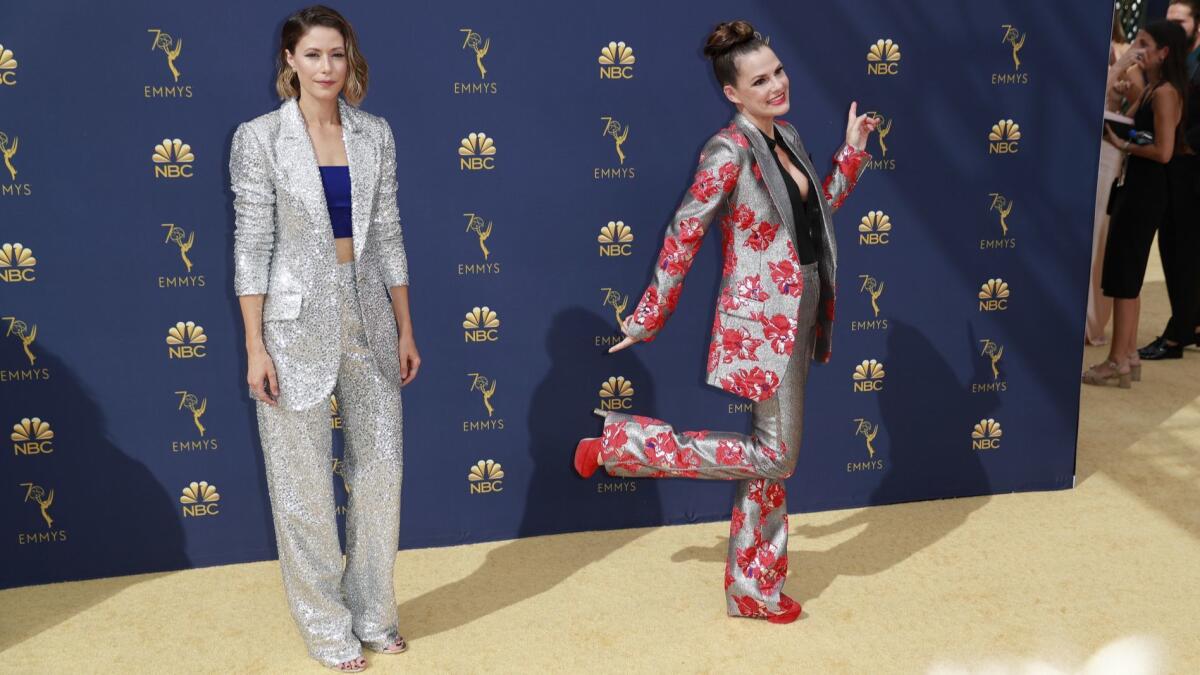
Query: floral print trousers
(641, 447)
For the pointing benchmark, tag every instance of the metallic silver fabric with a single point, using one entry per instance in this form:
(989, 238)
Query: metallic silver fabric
(336, 608)
(283, 244)
(738, 180)
(642, 447)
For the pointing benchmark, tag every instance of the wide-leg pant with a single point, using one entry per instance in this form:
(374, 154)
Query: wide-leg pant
(1179, 246)
(757, 562)
(336, 607)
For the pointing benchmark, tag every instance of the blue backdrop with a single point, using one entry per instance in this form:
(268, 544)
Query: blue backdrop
(117, 248)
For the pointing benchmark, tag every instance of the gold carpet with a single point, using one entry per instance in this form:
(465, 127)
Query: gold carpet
(1104, 578)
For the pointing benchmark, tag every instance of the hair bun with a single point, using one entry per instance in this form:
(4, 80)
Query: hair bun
(726, 36)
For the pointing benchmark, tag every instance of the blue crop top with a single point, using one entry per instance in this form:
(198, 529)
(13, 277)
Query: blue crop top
(336, 180)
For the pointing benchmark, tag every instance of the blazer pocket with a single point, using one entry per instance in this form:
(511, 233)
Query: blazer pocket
(745, 309)
(282, 306)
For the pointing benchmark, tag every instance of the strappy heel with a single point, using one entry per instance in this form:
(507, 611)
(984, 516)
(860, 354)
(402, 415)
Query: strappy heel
(397, 646)
(1093, 375)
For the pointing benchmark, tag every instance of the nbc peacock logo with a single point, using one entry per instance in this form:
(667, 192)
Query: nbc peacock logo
(173, 159)
(616, 393)
(32, 436)
(615, 239)
(8, 67)
(616, 61)
(1004, 138)
(993, 295)
(875, 229)
(477, 152)
(868, 376)
(200, 500)
(17, 264)
(481, 324)
(883, 58)
(486, 477)
(186, 340)
(986, 435)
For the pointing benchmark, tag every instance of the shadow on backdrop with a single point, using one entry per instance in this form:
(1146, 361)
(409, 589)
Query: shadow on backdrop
(557, 500)
(105, 505)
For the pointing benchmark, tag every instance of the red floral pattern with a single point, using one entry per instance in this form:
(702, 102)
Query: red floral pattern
(750, 607)
(780, 330)
(750, 288)
(737, 343)
(648, 314)
(730, 453)
(787, 278)
(762, 235)
(755, 384)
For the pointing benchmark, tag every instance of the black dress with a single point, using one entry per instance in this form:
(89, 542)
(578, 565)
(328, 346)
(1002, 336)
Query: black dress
(1137, 211)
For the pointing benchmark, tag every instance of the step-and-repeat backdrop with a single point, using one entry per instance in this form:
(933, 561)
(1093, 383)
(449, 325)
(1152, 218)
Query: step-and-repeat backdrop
(542, 149)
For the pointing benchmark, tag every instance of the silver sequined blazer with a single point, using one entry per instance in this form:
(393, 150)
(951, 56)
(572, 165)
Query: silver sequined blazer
(739, 186)
(283, 245)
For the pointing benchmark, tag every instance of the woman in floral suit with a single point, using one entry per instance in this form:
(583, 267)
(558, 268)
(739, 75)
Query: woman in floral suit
(773, 317)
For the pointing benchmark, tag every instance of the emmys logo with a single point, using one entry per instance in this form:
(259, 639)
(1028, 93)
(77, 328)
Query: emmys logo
(875, 229)
(479, 46)
(616, 393)
(1004, 138)
(616, 62)
(883, 129)
(43, 500)
(170, 47)
(868, 431)
(993, 296)
(32, 437)
(986, 435)
(8, 67)
(481, 325)
(883, 58)
(335, 417)
(8, 150)
(199, 500)
(868, 376)
(482, 230)
(486, 477)
(1003, 207)
(186, 341)
(195, 406)
(873, 288)
(993, 353)
(487, 389)
(19, 330)
(477, 152)
(613, 128)
(616, 239)
(182, 240)
(17, 263)
(618, 302)
(619, 134)
(1016, 40)
(173, 159)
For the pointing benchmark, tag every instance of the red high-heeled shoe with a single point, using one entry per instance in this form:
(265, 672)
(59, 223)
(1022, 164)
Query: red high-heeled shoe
(789, 610)
(587, 457)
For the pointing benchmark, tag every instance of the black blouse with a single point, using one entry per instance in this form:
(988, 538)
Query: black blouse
(806, 214)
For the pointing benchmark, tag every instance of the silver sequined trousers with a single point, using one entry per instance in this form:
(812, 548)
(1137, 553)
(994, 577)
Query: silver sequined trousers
(642, 447)
(336, 607)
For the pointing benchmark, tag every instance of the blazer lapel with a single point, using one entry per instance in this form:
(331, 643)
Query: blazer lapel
(299, 165)
(770, 172)
(361, 157)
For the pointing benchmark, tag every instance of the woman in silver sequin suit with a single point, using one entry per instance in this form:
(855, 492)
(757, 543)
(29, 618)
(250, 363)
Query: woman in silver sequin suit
(318, 321)
(773, 317)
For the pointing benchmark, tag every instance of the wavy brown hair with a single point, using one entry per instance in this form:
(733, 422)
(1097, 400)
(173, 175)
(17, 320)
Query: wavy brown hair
(287, 83)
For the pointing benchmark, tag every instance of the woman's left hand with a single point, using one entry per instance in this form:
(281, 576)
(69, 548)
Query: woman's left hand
(859, 127)
(410, 360)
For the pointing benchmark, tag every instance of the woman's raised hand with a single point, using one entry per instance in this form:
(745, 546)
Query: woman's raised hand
(859, 127)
